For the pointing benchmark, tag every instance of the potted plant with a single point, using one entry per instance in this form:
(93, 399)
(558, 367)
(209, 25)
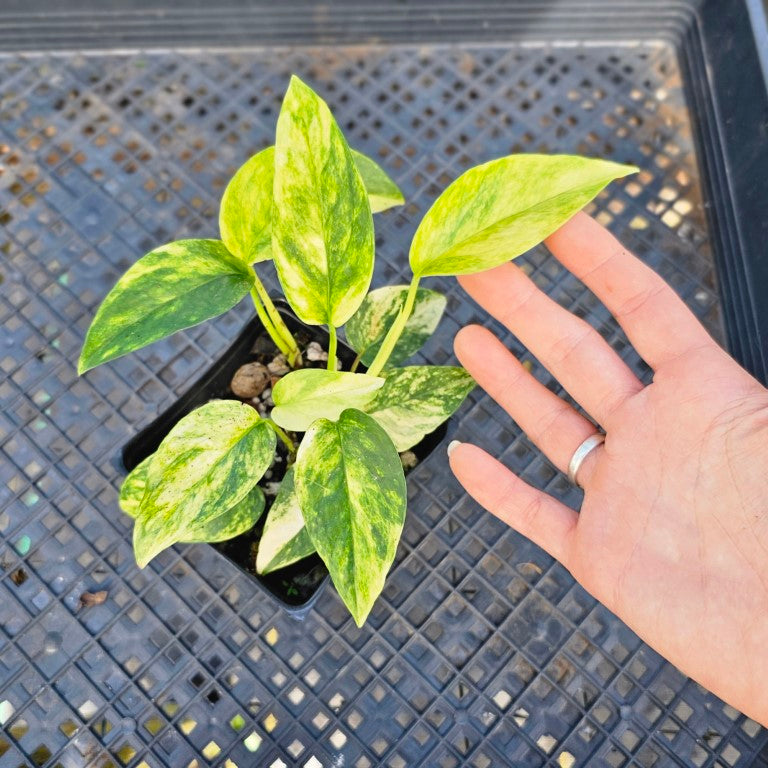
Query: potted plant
(329, 440)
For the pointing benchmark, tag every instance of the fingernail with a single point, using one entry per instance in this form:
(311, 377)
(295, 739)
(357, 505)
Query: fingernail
(452, 446)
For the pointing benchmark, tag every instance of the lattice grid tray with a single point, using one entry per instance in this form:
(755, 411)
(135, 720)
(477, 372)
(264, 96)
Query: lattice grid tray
(482, 650)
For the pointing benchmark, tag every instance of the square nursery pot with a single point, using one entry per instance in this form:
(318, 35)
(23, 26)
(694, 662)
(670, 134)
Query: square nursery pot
(297, 587)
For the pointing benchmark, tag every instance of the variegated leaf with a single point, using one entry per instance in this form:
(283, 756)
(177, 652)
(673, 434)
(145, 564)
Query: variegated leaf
(416, 400)
(225, 525)
(383, 193)
(133, 487)
(322, 228)
(366, 329)
(284, 539)
(239, 518)
(302, 396)
(206, 464)
(352, 494)
(496, 211)
(173, 287)
(245, 215)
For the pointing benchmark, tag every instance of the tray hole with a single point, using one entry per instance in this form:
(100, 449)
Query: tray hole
(213, 696)
(197, 679)
(211, 750)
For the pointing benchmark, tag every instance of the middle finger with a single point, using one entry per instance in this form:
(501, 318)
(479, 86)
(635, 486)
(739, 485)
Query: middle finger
(573, 351)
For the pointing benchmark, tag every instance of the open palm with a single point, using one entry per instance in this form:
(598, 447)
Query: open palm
(673, 531)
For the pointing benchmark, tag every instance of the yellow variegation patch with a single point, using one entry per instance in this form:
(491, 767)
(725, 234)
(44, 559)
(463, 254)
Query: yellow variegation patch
(245, 215)
(133, 487)
(205, 465)
(312, 393)
(173, 287)
(322, 228)
(284, 539)
(366, 329)
(383, 193)
(352, 494)
(239, 518)
(496, 211)
(416, 400)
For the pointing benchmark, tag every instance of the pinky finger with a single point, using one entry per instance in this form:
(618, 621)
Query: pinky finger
(533, 513)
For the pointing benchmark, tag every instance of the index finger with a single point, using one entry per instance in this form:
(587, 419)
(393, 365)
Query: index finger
(654, 317)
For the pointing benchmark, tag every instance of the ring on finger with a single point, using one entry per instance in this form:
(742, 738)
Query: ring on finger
(581, 453)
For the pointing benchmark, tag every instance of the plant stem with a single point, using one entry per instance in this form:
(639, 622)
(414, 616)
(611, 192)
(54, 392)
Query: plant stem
(283, 435)
(395, 331)
(268, 324)
(277, 327)
(355, 363)
(332, 341)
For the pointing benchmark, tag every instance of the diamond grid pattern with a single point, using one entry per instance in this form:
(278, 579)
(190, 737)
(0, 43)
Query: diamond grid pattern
(482, 651)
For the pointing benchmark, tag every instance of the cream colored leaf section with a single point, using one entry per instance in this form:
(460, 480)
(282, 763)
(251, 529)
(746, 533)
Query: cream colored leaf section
(498, 210)
(284, 539)
(205, 465)
(322, 227)
(305, 395)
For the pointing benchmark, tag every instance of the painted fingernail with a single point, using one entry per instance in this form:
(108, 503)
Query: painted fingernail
(452, 446)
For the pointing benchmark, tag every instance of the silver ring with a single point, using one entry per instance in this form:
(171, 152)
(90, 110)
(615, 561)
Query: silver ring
(581, 453)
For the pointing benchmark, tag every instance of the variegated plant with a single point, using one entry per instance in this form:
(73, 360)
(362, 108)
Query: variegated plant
(306, 203)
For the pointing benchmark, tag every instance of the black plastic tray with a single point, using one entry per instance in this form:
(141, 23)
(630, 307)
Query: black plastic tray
(119, 125)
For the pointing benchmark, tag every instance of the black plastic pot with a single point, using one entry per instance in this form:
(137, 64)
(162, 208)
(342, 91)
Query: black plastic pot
(299, 586)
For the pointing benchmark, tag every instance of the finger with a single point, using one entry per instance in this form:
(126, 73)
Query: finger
(570, 348)
(533, 513)
(654, 317)
(555, 427)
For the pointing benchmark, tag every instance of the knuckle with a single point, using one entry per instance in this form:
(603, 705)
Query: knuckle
(566, 346)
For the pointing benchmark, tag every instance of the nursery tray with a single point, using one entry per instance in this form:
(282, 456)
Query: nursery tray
(119, 126)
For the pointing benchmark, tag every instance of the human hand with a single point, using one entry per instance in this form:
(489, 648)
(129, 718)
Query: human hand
(673, 530)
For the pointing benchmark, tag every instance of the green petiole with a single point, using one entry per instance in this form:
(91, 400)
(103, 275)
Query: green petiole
(283, 435)
(395, 331)
(332, 342)
(273, 322)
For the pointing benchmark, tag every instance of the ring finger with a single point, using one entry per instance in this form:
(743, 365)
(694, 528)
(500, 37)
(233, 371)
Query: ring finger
(553, 425)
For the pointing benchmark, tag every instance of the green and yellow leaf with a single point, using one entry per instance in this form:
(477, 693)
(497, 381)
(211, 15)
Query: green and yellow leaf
(239, 518)
(496, 211)
(366, 329)
(284, 539)
(207, 463)
(322, 228)
(383, 193)
(245, 215)
(176, 286)
(133, 487)
(302, 396)
(416, 400)
(224, 525)
(352, 495)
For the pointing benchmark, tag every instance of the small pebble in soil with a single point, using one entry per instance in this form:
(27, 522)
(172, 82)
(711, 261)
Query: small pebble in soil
(271, 489)
(315, 353)
(408, 459)
(278, 366)
(250, 380)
